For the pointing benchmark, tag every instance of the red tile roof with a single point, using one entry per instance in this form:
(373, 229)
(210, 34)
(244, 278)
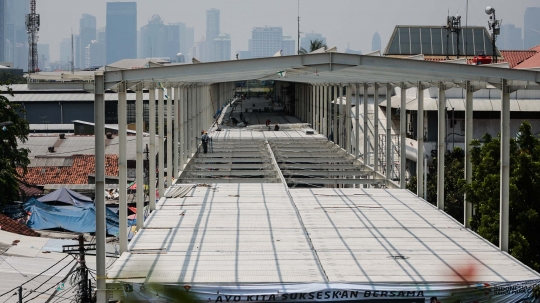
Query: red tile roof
(12, 226)
(533, 61)
(83, 165)
(515, 57)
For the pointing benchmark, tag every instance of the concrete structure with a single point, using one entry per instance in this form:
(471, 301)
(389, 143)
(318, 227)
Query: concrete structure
(376, 42)
(121, 31)
(531, 27)
(87, 34)
(312, 80)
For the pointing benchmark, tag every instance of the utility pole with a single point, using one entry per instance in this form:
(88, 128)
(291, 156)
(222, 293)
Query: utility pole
(298, 42)
(85, 295)
(32, 27)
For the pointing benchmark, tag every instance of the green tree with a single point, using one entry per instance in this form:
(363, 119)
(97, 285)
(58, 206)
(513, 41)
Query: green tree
(11, 157)
(313, 46)
(453, 183)
(484, 193)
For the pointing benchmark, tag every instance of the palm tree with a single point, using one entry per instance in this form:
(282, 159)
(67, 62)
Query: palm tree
(313, 46)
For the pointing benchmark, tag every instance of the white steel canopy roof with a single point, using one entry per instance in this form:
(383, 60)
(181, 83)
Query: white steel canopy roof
(328, 68)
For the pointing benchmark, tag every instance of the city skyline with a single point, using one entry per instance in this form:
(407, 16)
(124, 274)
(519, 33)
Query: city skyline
(238, 18)
(352, 34)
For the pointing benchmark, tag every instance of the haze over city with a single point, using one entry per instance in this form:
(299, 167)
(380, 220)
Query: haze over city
(344, 23)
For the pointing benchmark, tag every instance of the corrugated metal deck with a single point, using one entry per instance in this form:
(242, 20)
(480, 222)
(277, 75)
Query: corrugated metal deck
(234, 234)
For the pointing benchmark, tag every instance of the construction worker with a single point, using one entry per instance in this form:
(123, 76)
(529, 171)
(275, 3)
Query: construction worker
(205, 140)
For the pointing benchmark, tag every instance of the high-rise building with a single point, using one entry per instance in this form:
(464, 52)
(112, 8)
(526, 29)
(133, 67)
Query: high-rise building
(65, 50)
(14, 26)
(2, 35)
(87, 33)
(305, 42)
(288, 46)
(121, 31)
(96, 49)
(531, 27)
(266, 41)
(186, 38)
(44, 57)
(200, 49)
(212, 32)
(376, 42)
(158, 40)
(510, 38)
(222, 47)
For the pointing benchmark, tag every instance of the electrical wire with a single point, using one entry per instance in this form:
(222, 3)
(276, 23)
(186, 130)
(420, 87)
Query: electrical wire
(52, 276)
(54, 285)
(41, 273)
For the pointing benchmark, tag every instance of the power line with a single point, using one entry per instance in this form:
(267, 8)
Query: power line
(41, 273)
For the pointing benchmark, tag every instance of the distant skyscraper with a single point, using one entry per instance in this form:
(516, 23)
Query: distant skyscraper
(87, 33)
(288, 46)
(121, 31)
(2, 34)
(266, 41)
(222, 47)
(200, 49)
(305, 42)
(376, 42)
(14, 26)
(531, 27)
(510, 38)
(158, 40)
(44, 57)
(65, 50)
(212, 32)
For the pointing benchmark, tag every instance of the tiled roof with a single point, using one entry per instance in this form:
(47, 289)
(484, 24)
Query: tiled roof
(533, 61)
(515, 57)
(83, 165)
(12, 226)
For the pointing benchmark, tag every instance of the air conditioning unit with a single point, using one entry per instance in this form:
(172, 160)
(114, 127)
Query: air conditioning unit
(310, 132)
(51, 149)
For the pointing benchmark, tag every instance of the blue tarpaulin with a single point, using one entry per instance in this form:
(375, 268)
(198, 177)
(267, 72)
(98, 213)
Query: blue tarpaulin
(71, 218)
(65, 196)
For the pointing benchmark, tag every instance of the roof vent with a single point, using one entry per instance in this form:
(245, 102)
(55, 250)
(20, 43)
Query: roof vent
(309, 132)
(51, 149)
(62, 136)
(109, 135)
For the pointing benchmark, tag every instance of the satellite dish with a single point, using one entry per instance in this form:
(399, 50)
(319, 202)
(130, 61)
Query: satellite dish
(489, 10)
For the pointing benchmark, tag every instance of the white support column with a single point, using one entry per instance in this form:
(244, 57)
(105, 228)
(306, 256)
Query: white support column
(152, 157)
(161, 145)
(122, 166)
(335, 135)
(189, 139)
(325, 111)
(181, 124)
(341, 125)
(420, 139)
(313, 106)
(366, 126)
(320, 110)
(376, 126)
(403, 136)
(318, 107)
(170, 168)
(505, 166)
(176, 134)
(468, 138)
(348, 123)
(441, 147)
(101, 231)
(139, 166)
(389, 132)
(357, 122)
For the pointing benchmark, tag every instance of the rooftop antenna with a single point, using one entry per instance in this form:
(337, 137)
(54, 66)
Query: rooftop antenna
(495, 27)
(32, 28)
(72, 65)
(298, 42)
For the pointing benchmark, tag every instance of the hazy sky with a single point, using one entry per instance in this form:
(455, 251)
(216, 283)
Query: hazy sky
(340, 21)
